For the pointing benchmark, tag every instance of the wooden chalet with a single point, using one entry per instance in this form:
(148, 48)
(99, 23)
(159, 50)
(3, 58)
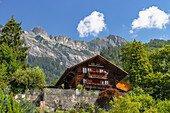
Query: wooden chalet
(93, 73)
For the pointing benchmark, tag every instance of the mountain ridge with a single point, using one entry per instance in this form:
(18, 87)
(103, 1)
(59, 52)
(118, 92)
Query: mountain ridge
(63, 49)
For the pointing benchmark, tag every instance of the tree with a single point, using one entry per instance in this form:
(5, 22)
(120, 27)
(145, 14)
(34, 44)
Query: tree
(33, 78)
(8, 63)
(11, 37)
(12, 54)
(135, 62)
(124, 105)
(8, 104)
(158, 85)
(160, 60)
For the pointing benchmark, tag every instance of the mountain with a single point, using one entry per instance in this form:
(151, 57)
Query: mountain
(63, 49)
(156, 43)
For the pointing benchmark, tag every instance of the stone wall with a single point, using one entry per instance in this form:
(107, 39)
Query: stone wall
(65, 99)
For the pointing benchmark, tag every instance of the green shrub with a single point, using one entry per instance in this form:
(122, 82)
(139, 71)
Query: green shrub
(8, 104)
(60, 111)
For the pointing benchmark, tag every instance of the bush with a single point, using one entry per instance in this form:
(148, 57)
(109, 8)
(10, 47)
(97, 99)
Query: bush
(163, 106)
(8, 104)
(106, 95)
(83, 106)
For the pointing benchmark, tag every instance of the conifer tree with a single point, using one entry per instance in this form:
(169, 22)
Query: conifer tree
(160, 60)
(12, 54)
(11, 36)
(135, 62)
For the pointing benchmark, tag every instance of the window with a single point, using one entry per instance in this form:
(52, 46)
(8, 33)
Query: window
(101, 70)
(89, 69)
(106, 82)
(102, 82)
(84, 81)
(84, 70)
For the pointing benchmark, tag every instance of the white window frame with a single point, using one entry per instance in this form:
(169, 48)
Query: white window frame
(101, 70)
(84, 70)
(106, 82)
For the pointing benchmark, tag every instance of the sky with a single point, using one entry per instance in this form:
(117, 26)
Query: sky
(88, 19)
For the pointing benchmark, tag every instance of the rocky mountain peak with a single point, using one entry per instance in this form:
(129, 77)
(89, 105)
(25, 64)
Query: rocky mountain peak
(63, 49)
(39, 31)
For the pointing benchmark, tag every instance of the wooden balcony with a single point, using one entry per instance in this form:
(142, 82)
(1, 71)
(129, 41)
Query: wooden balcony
(97, 75)
(97, 86)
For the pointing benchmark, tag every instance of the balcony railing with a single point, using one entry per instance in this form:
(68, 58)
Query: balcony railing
(97, 74)
(97, 86)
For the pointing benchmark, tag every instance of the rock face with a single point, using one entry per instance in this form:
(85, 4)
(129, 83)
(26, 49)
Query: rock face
(64, 49)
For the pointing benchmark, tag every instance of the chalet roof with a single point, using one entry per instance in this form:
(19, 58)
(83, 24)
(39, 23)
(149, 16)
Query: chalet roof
(124, 86)
(100, 58)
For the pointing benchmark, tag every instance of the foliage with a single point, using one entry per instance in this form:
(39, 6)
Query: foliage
(145, 100)
(107, 95)
(83, 106)
(54, 82)
(12, 54)
(138, 101)
(33, 78)
(10, 36)
(113, 53)
(124, 105)
(155, 44)
(52, 69)
(160, 60)
(158, 85)
(79, 86)
(136, 91)
(8, 63)
(130, 104)
(135, 62)
(8, 104)
(26, 106)
(163, 106)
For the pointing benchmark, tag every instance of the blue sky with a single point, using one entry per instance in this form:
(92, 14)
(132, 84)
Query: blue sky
(88, 19)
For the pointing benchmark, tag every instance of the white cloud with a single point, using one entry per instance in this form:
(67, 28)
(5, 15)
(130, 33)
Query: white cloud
(151, 18)
(92, 24)
(131, 31)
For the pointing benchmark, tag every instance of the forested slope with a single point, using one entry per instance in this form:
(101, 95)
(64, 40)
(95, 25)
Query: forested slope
(52, 69)
(113, 53)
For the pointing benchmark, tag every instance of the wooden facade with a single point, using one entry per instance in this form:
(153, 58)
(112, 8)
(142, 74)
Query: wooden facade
(94, 73)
